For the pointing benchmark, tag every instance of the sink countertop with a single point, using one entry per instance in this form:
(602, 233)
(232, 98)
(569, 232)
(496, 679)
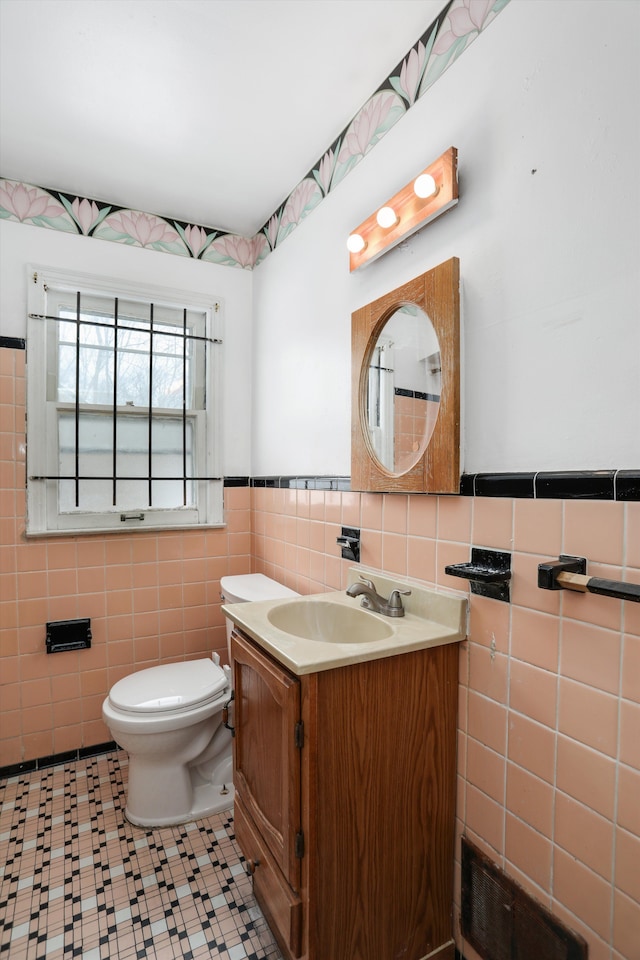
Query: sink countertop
(439, 618)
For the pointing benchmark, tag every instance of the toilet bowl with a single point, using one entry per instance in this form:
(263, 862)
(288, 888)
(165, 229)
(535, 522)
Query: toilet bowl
(169, 720)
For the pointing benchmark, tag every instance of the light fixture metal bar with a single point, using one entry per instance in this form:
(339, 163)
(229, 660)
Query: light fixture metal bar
(412, 211)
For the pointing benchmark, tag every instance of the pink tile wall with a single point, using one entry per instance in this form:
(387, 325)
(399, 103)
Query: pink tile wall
(151, 598)
(549, 706)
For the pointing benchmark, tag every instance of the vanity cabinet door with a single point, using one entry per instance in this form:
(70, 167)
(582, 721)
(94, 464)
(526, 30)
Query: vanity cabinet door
(267, 759)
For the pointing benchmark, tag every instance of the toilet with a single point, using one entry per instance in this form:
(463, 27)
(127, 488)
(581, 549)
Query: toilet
(169, 720)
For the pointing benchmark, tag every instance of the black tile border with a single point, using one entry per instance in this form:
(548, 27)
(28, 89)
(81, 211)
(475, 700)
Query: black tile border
(70, 756)
(578, 485)
(622, 485)
(302, 483)
(13, 343)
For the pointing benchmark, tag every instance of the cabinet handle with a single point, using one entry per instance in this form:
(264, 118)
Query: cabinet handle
(250, 867)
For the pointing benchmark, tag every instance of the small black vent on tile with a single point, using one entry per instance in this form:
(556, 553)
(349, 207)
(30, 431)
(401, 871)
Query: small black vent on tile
(68, 635)
(502, 922)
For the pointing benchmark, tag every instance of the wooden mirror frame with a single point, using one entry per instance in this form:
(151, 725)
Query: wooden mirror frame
(437, 470)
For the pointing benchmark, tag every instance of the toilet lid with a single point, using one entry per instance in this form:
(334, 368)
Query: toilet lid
(171, 686)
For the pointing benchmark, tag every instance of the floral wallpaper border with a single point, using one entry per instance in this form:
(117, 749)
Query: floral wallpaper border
(453, 30)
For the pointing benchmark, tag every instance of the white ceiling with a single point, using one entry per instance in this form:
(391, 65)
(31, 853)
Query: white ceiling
(209, 111)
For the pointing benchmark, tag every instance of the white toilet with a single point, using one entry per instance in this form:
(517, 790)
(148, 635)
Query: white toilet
(169, 720)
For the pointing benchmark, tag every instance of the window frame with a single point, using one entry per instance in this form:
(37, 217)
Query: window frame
(44, 517)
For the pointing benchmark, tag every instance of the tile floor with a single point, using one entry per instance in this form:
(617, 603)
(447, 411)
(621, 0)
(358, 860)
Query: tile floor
(78, 880)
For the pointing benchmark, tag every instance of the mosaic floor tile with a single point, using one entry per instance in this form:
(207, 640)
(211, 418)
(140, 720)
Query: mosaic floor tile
(77, 880)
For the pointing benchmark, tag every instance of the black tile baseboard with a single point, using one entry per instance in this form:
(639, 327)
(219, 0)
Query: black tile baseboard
(70, 756)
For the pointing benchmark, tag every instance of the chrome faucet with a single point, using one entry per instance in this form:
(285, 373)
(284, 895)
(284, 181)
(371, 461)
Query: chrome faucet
(373, 601)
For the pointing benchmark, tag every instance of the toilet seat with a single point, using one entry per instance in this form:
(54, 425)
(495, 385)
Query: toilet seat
(168, 688)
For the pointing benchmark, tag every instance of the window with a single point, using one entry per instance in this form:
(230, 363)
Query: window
(123, 407)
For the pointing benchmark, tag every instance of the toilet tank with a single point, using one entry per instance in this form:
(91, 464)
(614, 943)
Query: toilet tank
(250, 586)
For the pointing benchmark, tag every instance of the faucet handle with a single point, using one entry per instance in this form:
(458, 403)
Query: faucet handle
(394, 598)
(369, 583)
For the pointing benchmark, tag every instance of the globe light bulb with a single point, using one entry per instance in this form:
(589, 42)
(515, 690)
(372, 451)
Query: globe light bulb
(356, 243)
(425, 186)
(386, 217)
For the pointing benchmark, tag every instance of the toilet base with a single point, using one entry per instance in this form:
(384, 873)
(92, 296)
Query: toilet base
(208, 798)
(159, 795)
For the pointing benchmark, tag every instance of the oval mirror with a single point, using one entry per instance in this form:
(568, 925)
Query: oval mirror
(405, 375)
(403, 388)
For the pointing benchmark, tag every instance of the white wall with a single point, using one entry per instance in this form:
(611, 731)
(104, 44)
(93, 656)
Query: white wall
(549, 259)
(22, 244)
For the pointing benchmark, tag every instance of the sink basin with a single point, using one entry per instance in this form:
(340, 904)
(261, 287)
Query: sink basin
(328, 622)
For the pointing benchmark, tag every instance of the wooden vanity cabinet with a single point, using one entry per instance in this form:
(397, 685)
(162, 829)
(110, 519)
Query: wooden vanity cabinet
(345, 802)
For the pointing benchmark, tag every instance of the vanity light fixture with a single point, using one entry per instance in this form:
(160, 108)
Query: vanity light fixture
(426, 197)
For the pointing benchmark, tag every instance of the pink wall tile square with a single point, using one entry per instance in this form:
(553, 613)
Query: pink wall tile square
(38, 718)
(31, 556)
(332, 506)
(237, 498)
(628, 815)
(488, 672)
(535, 638)
(630, 733)
(584, 834)
(423, 516)
(421, 559)
(394, 513)
(582, 891)
(485, 818)
(488, 722)
(454, 518)
(591, 655)
(532, 746)
(530, 799)
(594, 529)
(351, 509)
(91, 552)
(532, 691)
(588, 715)
(493, 523)
(371, 511)
(538, 527)
(633, 535)
(627, 876)
(529, 851)
(626, 927)
(489, 623)
(394, 553)
(302, 504)
(316, 536)
(631, 668)
(586, 775)
(302, 532)
(485, 769)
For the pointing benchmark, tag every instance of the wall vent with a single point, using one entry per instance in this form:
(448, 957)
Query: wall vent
(502, 922)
